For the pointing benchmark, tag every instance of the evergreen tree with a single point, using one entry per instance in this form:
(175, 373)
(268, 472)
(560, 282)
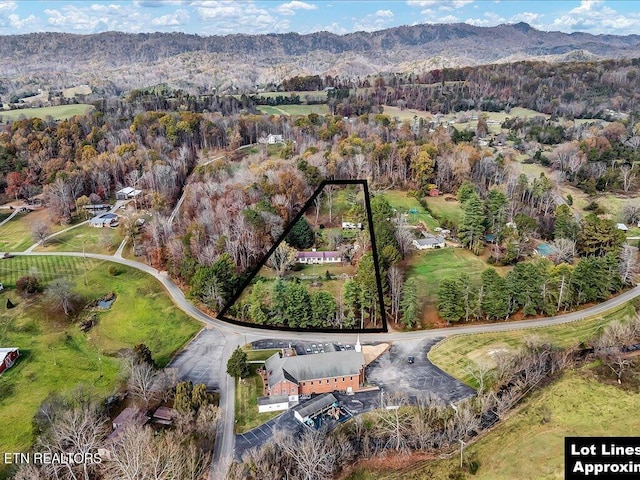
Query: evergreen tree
(278, 302)
(237, 365)
(600, 236)
(466, 191)
(409, 304)
(301, 235)
(496, 205)
(566, 225)
(323, 309)
(351, 297)
(495, 296)
(471, 229)
(298, 306)
(450, 305)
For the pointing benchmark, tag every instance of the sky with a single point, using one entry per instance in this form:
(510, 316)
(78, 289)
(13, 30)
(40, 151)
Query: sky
(219, 17)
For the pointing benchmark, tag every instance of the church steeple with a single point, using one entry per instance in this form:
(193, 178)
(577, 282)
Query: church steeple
(358, 347)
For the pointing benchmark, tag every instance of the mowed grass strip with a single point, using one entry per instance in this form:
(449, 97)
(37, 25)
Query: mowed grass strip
(57, 356)
(16, 234)
(458, 353)
(247, 392)
(60, 112)
(404, 203)
(85, 238)
(445, 209)
(529, 445)
(319, 109)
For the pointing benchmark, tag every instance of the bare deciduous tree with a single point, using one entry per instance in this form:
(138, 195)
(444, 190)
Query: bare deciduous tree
(396, 282)
(60, 294)
(566, 250)
(628, 264)
(40, 231)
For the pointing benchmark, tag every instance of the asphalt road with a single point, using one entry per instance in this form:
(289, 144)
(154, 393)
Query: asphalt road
(237, 335)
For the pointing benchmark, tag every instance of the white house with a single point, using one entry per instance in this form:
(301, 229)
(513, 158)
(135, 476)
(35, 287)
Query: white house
(126, 193)
(351, 226)
(315, 257)
(104, 220)
(429, 242)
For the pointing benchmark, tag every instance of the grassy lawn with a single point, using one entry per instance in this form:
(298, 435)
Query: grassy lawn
(320, 109)
(259, 355)
(93, 240)
(57, 356)
(15, 235)
(247, 392)
(406, 114)
(525, 446)
(402, 202)
(57, 113)
(442, 208)
(457, 353)
(430, 267)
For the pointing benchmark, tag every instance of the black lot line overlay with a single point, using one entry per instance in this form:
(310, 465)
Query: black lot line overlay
(223, 313)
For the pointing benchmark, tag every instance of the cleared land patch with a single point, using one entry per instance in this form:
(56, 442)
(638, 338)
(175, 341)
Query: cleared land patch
(61, 112)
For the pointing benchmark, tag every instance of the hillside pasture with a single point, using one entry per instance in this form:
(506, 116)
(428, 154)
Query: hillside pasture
(61, 112)
(85, 238)
(57, 356)
(320, 109)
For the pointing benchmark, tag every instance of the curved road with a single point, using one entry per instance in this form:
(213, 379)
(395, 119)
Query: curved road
(235, 335)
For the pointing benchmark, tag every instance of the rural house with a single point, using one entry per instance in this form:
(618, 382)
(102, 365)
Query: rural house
(8, 357)
(429, 242)
(126, 193)
(104, 220)
(318, 373)
(315, 257)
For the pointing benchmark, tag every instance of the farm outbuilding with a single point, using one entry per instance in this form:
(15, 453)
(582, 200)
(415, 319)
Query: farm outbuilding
(126, 193)
(104, 220)
(8, 357)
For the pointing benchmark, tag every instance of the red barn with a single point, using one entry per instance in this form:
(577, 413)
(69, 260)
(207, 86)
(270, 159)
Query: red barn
(8, 357)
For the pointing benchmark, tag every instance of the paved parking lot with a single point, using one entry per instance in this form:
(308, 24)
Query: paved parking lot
(392, 372)
(260, 435)
(303, 348)
(200, 360)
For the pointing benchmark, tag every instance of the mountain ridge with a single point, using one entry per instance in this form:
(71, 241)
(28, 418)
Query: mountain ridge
(245, 60)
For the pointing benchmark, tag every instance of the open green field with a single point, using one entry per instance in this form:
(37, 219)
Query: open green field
(90, 239)
(15, 235)
(529, 445)
(430, 267)
(442, 208)
(57, 113)
(456, 354)
(247, 392)
(320, 109)
(57, 356)
(403, 202)
(406, 114)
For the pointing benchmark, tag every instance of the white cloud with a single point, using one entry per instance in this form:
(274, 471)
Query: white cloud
(461, 3)
(228, 16)
(594, 16)
(19, 23)
(156, 3)
(449, 19)
(489, 19)
(445, 5)
(7, 7)
(527, 17)
(95, 18)
(384, 13)
(175, 19)
(422, 3)
(291, 7)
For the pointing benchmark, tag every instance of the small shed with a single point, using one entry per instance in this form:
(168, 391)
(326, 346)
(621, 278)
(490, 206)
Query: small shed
(8, 357)
(275, 403)
(129, 416)
(622, 226)
(164, 415)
